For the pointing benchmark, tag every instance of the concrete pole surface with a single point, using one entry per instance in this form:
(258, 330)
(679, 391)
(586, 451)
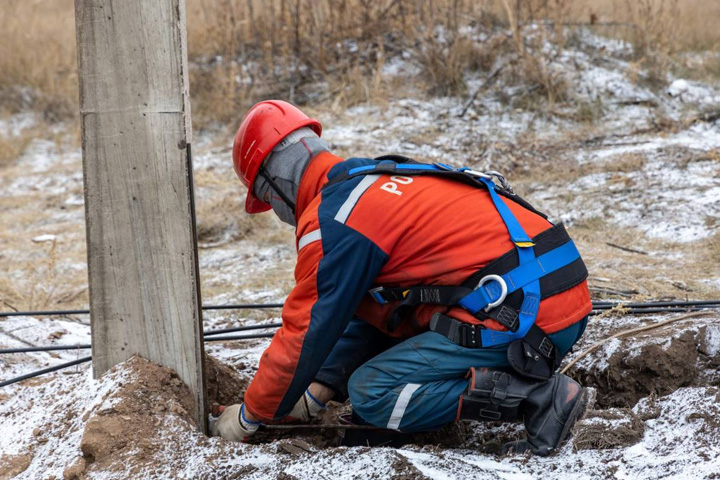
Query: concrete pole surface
(139, 209)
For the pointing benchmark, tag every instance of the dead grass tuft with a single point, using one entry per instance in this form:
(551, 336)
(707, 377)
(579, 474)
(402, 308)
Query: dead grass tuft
(223, 219)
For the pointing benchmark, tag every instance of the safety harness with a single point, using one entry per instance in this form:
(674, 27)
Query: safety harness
(508, 290)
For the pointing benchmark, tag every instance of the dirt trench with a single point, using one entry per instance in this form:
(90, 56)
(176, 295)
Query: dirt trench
(654, 363)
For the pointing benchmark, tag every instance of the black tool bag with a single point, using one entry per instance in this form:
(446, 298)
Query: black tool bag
(534, 355)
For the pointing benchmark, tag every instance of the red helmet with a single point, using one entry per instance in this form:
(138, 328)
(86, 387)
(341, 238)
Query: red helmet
(264, 126)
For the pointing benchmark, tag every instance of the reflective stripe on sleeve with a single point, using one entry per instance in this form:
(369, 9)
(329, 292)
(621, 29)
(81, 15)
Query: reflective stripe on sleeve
(308, 238)
(401, 404)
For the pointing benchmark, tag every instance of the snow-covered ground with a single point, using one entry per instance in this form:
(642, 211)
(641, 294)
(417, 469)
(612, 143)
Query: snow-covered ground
(645, 174)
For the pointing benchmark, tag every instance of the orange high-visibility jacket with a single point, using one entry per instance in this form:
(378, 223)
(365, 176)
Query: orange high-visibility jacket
(382, 230)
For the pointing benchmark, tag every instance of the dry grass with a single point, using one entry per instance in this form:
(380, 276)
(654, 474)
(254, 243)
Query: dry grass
(323, 51)
(690, 24)
(37, 57)
(331, 52)
(11, 147)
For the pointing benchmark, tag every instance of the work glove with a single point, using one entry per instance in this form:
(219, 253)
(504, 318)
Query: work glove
(232, 424)
(307, 408)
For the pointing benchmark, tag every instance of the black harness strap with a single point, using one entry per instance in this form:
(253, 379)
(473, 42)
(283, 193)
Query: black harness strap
(534, 355)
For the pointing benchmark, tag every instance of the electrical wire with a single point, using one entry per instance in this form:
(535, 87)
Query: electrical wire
(209, 333)
(237, 306)
(44, 371)
(693, 303)
(597, 305)
(214, 334)
(646, 311)
(87, 359)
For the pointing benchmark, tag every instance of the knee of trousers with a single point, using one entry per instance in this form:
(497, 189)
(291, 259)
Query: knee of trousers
(359, 387)
(362, 390)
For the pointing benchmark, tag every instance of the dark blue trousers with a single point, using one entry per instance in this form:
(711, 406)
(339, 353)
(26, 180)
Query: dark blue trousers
(416, 384)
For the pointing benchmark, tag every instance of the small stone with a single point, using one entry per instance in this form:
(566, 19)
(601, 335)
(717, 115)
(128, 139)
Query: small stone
(36, 432)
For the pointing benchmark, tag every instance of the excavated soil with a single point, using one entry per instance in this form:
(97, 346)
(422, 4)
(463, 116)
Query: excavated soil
(224, 385)
(128, 426)
(633, 372)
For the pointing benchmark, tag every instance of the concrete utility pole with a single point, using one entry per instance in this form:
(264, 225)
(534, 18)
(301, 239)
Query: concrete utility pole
(141, 235)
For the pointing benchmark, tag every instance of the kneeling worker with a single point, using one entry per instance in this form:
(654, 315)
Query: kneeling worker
(424, 293)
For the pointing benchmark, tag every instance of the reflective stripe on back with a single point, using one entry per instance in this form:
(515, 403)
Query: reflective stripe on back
(347, 207)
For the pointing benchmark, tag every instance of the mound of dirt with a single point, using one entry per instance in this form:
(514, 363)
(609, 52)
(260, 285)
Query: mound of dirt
(658, 364)
(126, 424)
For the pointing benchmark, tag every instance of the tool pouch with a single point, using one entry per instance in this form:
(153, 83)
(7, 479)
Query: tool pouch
(531, 361)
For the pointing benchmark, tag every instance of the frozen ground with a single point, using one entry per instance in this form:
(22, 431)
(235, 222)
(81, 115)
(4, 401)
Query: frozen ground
(676, 435)
(645, 174)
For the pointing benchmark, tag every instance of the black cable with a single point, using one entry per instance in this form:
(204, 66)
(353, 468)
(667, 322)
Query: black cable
(44, 371)
(239, 306)
(49, 348)
(641, 311)
(601, 305)
(87, 359)
(209, 333)
(597, 305)
(44, 312)
(242, 306)
(239, 337)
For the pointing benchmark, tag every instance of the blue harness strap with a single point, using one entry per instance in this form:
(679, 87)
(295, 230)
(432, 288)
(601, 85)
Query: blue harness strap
(530, 269)
(492, 289)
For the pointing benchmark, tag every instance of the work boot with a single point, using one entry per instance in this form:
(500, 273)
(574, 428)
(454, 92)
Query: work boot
(549, 407)
(549, 413)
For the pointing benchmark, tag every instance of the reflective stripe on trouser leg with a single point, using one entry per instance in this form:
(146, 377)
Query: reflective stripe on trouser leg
(401, 404)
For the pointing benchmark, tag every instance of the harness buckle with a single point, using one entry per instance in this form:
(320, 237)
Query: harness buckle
(376, 294)
(467, 335)
(503, 290)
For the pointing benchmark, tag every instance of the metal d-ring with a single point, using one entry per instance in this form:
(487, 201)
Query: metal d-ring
(503, 290)
(475, 173)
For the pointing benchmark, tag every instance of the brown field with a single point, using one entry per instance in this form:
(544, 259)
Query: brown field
(329, 51)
